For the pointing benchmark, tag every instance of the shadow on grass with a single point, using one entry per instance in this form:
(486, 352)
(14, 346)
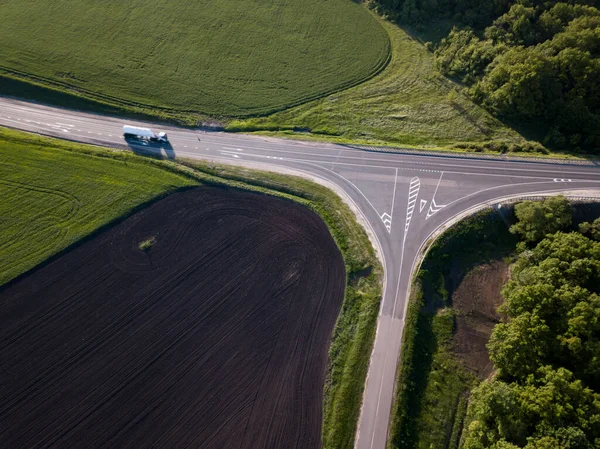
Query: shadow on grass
(433, 32)
(22, 90)
(409, 407)
(474, 240)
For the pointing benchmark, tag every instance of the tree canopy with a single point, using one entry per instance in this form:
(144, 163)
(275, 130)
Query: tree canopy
(530, 61)
(591, 229)
(538, 218)
(546, 393)
(552, 410)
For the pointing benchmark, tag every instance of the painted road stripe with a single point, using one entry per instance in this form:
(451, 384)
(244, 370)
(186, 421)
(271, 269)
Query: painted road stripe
(413, 193)
(433, 207)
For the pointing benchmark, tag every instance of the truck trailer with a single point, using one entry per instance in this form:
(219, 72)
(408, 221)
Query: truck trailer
(146, 134)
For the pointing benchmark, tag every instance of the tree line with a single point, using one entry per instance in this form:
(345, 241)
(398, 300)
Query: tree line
(546, 351)
(530, 61)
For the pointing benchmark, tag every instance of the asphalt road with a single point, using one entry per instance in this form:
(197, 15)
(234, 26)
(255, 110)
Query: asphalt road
(402, 198)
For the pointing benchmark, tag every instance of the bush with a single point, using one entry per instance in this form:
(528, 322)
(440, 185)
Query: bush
(536, 219)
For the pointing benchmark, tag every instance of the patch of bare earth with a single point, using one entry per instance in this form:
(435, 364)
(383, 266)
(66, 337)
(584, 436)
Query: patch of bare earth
(475, 302)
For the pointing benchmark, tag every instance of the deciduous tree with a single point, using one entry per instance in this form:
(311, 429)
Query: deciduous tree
(536, 219)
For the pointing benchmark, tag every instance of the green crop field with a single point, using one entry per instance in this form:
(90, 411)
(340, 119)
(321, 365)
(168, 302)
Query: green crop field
(408, 103)
(219, 57)
(52, 197)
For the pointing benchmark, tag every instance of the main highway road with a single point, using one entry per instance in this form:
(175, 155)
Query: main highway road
(403, 198)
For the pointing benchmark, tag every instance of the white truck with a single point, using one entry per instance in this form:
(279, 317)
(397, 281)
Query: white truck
(146, 134)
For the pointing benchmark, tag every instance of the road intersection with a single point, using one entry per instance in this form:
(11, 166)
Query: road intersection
(402, 197)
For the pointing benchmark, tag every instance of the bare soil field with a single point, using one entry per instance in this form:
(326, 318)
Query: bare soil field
(475, 303)
(214, 336)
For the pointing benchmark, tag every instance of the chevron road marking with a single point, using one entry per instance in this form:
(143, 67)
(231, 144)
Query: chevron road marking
(433, 206)
(385, 217)
(387, 221)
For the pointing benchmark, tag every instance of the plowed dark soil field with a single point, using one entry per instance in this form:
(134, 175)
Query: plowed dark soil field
(214, 337)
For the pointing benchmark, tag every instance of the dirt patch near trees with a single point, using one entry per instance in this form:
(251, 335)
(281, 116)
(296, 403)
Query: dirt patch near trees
(214, 336)
(475, 303)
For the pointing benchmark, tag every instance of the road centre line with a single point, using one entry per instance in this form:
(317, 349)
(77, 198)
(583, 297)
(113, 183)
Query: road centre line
(400, 168)
(430, 163)
(384, 154)
(385, 354)
(183, 134)
(388, 167)
(339, 149)
(438, 186)
(313, 161)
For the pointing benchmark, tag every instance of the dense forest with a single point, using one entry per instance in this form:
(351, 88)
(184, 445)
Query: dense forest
(546, 352)
(534, 63)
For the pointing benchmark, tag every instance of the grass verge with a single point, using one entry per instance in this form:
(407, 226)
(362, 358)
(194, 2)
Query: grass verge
(408, 103)
(115, 182)
(432, 382)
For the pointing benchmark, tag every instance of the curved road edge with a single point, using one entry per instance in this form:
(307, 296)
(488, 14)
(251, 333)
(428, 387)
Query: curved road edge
(358, 177)
(592, 194)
